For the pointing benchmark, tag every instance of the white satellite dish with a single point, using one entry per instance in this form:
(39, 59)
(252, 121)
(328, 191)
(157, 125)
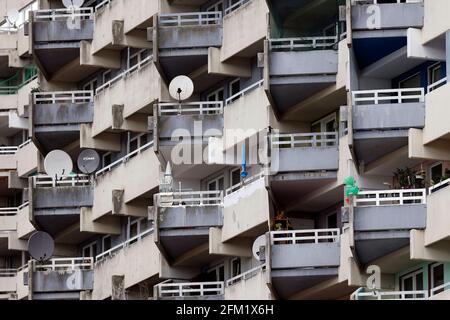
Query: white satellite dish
(58, 163)
(181, 88)
(256, 248)
(73, 3)
(13, 16)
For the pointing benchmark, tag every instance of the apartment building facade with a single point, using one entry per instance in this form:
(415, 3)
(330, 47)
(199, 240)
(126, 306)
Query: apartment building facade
(242, 190)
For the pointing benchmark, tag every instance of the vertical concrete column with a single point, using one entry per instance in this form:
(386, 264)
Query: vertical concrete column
(118, 287)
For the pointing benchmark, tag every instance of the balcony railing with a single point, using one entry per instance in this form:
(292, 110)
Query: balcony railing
(439, 289)
(439, 186)
(190, 198)
(8, 150)
(8, 273)
(190, 108)
(63, 13)
(8, 211)
(23, 145)
(303, 43)
(377, 1)
(388, 96)
(189, 289)
(436, 85)
(6, 90)
(84, 96)
(305, 140)
(235, 6)
(391, 197)
(60, 264)
(390, 295)
(23, 205)
(123, 159)
(124, 74)
(190, 19)
(123, 245)
(102, 5)
(304, 236)
(244, 92)
(243, 183)
(246, 275)
(63, 181)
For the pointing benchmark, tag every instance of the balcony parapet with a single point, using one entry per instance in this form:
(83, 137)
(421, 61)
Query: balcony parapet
(189, 290)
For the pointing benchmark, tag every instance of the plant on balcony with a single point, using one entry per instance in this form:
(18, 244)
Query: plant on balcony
(407, 179)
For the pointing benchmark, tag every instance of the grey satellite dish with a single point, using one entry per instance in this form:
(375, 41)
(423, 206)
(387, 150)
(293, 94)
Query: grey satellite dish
(256, 248)
(181, 88)
(73, 3)
(88, 161)
(58, 163)
(41, 246)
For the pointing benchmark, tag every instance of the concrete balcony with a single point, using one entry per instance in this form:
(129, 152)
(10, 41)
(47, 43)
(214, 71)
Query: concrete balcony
(55, 204)
(298, 68)
(59, 114)
(362, 294)
(382, 118)
(58, 32)
(24, 226)
(182, 223)
(183, 40)
(250, 196)
(28, 159)
(116, 261)
(131, 96)
(189, 291)
(300, 259)
(120, 23)
(17, 98)
(394, 15)
(8, 158)
(435, 113)
(126, 187)
(383, 221)
(8, 219)
(250, 285)
(245, 27)
(62, 278)
(8, 279)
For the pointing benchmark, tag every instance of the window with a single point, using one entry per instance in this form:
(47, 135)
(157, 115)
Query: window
(410, 82)
(436, 173)
(235, 87)
(326, 124)
(90, 250)
(106, 76)
(437, 276)
(216, 184)
(218, 6)
(216, 273)
(434, 73)
(216, 95)
(106, 243)
(106, 159)
(412, 282)
(137, 227)
(138, 57)
(235, 177)
(136, 142)
(91, 85)
(235, 267)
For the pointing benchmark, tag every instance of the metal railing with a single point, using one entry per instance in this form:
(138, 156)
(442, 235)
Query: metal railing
(8, 211)
(8, 150)
(190, 108)
(244, 92)
(57, 264)
(390, 295)
(244, 183)
(235, 6)
(190, 198)
(190, 19)
(439, 289)
(23, 145)
(305, 140)
(436, 85)
(303, 43)
(389, 96)
(82, 96)
(123, 245)
(246, 275)
(439, 186)
(63, 13)
(63, 181)
(123, 159)
(189, 289)
(6, 90)
(304, 236)
(376, 1)
(102, 5)
(390, 197)
(23, 205)
(7, 273)
(124, 74)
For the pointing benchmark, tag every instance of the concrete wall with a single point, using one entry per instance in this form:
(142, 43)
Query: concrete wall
(22, 290)
(378, 218)
(191, 217)
(137, 262)
(63, 281)
(24, 226)
(8, 223)
(391, 15)
(63, 113)
(303, 62)
(136, 177)
(8, 284)
(436, 114)
(58, 31)
(288, 256)
(436, 19)
(252, 198)
(8, 162)
(240, 30)
(190, 37)
(134, 92)
(211, 125)
(62, 197)
(438, 219)
(254, 288)
(28, 159)
(389, 116)
(305, 159)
